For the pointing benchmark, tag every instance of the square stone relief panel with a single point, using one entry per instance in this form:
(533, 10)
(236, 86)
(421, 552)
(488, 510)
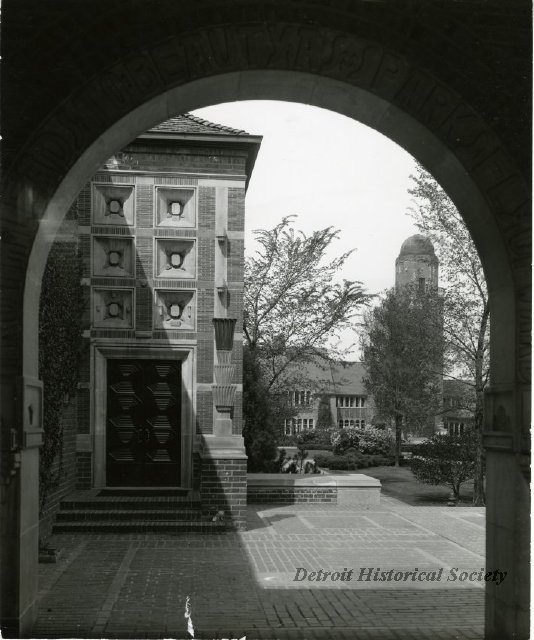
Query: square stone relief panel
(113, 308)
(175, 207)
(174, 309)
(113, 204)
(113, 257)
(175, 258)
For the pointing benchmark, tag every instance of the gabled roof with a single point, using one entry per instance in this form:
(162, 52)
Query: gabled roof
(190, 129)
(188, 123)
(335, 378)
(347, 378)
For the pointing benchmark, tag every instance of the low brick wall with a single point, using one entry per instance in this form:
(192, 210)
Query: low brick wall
(223, 490)
(288, 495)
(273, 488)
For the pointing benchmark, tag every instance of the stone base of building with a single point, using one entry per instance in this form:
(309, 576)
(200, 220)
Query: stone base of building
(223, 481)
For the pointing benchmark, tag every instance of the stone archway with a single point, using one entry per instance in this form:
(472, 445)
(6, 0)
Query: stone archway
(321, 58)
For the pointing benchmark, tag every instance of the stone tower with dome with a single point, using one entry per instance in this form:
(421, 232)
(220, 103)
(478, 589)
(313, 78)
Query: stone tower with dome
(417, 263)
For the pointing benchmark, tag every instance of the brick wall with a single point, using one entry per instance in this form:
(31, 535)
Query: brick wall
(291, 495)
(224, 488)
(84, 470)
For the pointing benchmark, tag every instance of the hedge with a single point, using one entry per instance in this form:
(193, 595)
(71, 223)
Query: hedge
(351, 461)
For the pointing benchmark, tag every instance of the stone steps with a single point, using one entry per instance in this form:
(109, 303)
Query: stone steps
(139, 526)
(82, 515)
(130, 505)
(93, 511)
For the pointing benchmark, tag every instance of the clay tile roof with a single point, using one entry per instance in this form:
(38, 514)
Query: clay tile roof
(188, 123)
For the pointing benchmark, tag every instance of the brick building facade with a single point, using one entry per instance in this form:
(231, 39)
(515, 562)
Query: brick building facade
(336, 390)
(160, 231)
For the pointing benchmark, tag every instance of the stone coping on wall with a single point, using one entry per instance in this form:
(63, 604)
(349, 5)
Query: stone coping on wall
(311, 480)
(223, 447)
(340, 489)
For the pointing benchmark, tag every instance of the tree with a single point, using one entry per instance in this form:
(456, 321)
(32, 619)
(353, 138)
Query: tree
(446, 459)
(466, 303)
(324, 414)
(402, 348)
(263, 412)
(293, 306)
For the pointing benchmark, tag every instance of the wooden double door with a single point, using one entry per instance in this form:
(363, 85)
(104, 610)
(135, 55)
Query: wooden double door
(143, 423)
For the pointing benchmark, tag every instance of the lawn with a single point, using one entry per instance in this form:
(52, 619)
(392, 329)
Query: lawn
(400, 483)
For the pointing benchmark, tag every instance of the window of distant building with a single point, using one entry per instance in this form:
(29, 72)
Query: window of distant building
(351, 423)
(301, 397)
(350, 401)
(293, 426)
(455, 428)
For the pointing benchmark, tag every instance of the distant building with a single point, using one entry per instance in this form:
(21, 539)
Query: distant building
(417, 263)
(339, 386)
(458, 406)
(336, 391)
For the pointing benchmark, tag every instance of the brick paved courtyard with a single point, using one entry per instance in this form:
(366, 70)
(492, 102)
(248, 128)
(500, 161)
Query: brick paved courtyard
(135, 585)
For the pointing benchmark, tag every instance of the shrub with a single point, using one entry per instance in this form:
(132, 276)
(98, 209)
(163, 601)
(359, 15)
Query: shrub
(344, 439)
(287, 441)
(370, 441)
(351, 461)
(376, 442)
(315, 436)
(408, 447)
(261, 426)
(320, 447)
(306, 437)
(445, 459)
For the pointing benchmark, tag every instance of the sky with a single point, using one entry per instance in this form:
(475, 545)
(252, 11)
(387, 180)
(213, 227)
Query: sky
(328, 170)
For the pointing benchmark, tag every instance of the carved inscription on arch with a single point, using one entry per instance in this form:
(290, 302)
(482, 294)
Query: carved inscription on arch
(308, 48)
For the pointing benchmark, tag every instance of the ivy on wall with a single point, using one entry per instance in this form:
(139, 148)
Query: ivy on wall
(60, 347)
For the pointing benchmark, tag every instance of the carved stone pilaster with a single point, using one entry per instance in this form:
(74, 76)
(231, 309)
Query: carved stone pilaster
(223, 396)
(224, 333)
(224, 373)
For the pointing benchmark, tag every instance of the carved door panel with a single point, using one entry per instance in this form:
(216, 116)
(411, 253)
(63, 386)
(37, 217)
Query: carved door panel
(143, 423)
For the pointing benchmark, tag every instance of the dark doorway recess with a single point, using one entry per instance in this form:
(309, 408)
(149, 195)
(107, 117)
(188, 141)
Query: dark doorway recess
(143, 423)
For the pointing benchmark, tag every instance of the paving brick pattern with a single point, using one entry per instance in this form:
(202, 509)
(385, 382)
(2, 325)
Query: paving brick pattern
(135, 585)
